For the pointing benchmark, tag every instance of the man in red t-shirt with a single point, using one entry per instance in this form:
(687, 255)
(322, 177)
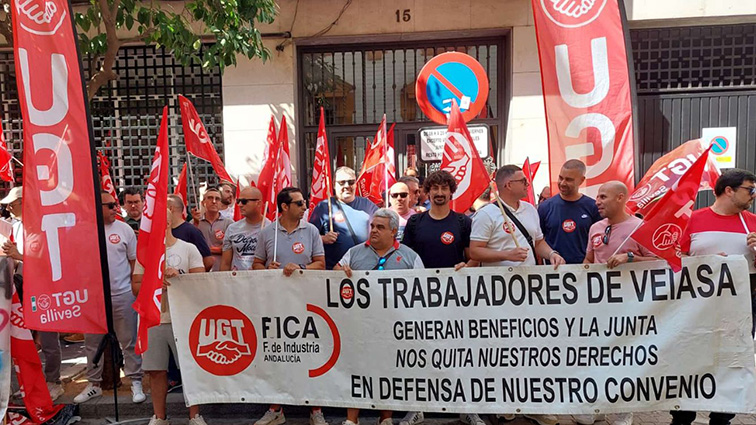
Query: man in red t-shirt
(725, 228)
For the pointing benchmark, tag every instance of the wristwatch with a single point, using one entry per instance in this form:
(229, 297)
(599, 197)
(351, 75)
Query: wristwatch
(302, 266)
(630, 257)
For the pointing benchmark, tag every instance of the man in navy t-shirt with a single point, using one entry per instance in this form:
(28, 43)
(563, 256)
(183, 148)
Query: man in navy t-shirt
(567, 217)
(187, 232)
(351, 218)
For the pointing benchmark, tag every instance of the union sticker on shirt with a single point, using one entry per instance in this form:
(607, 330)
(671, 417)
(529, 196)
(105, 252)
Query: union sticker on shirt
(219, 234)
(596, 241)
(447, 238)
(338, 217)
(298, 247)
(569, 225)
(114, 238)
(508, 227)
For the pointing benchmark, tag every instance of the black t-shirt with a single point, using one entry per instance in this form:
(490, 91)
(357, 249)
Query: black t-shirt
(439, 243)
(188, 233)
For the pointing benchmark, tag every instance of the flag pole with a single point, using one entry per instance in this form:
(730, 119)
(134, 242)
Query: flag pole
(275, 238)
(627, 238)
(386, 160)
(19, 162)
(328, 192)
(191, 179)
(500, 203)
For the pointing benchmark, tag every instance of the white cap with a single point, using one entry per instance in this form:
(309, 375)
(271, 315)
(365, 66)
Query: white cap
(15, 193)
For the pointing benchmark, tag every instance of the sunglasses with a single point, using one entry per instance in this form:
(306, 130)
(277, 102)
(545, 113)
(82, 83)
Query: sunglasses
(402, 195)
(110, 205)
(242, 201)
(382, 262)
(345, 182)
(607, 232)
(299, 203)
(751, 189)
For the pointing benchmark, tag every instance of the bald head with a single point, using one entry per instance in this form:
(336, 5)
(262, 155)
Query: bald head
(400, 198)
(176, 205)
(250, 200)
(611, 200)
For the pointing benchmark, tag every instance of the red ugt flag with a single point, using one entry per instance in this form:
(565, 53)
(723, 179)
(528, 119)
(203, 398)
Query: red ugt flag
(237, 210)
(180, 188)
(266, 182)
(151, 240)
(197, 141)
(107, 182)
(6, 160)
(530, 171)
(663, 227)
(378, 172)
(320, 189)
(461, 159)
(283, 165)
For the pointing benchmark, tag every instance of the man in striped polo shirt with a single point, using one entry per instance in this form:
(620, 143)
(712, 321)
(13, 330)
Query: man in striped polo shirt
(725, 228)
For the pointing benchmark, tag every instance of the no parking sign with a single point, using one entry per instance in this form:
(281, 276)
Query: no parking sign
(451, 76)
(722, 141)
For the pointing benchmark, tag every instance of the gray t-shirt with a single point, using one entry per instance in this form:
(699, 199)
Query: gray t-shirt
(364, 257)
(241, 237)
(214, 234)
(298, 247)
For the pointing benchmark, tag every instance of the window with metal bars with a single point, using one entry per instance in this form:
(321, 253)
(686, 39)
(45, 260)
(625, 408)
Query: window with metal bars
(126, 113)
(694, 58)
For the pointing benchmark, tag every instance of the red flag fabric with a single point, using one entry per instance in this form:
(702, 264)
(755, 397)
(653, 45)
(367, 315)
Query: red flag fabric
(530, 171)
(378, 172)
(666, 171)
(586, 88)
(60, 191)
(320, 188)
(662, 229)
(107, 182)
(266, 182)
(34, 390)
(237, 210)
(180, 189)
(283, 165)
(197, 140)
(151, 240)
(462, 160)
(6, 159)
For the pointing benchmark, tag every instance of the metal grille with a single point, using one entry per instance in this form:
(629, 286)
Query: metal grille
(691, 58)
(357, 85)
(126, 113)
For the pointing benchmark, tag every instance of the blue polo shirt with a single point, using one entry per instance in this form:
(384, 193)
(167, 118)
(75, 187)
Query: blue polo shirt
(565, 225)
(358, 212)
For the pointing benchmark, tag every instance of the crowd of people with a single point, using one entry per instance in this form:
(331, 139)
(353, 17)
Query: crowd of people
(417, 229)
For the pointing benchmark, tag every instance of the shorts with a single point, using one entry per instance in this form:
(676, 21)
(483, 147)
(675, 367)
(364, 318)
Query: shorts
(160, 345)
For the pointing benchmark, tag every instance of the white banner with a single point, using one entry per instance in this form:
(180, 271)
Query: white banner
(582, 339)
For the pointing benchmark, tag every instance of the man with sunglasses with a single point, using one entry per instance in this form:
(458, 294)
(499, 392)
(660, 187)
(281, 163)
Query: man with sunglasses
(608, 241)
(381, 252)
(121, 249)
(297, 247)
(400, 203)
(349, 214)
(725, 228)
(241, 237)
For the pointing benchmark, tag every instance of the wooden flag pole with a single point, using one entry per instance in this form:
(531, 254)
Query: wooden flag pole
(328, 192)
(275, 238)
(193, 183)
(508, 223)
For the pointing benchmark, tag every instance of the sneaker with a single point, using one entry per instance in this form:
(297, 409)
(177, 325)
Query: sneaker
(272, 417)
(412, 418)
(387, 421)
(584, 419)
(90, 392)
(74, 338)
(623, 419)
(56, 390)
(317, 418)
(197, 420)
(507, 416)
(137, 394)
(543, 419)
(348, 422)
(155, 421)
(471, 419)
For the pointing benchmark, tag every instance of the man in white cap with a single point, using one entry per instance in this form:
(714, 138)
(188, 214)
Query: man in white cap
(14, 248)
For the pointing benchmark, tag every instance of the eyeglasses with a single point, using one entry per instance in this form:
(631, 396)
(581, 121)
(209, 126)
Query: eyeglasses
(110, 205)
(299, 203)
(751, 189)
(243, 201)
(523, 180)
(382, 262)
(607, 232)
(345, 182)
(402, 195)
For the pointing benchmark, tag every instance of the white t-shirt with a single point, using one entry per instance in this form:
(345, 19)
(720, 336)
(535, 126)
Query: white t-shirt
(121, 245)
(241, 237)
(183, 257)
(488, 226)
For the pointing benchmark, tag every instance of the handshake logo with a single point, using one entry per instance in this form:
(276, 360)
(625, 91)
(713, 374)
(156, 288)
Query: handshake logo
(572, 13)
(222, 340)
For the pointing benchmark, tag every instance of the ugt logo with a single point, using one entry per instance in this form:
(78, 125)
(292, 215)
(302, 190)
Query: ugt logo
(222, 340)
